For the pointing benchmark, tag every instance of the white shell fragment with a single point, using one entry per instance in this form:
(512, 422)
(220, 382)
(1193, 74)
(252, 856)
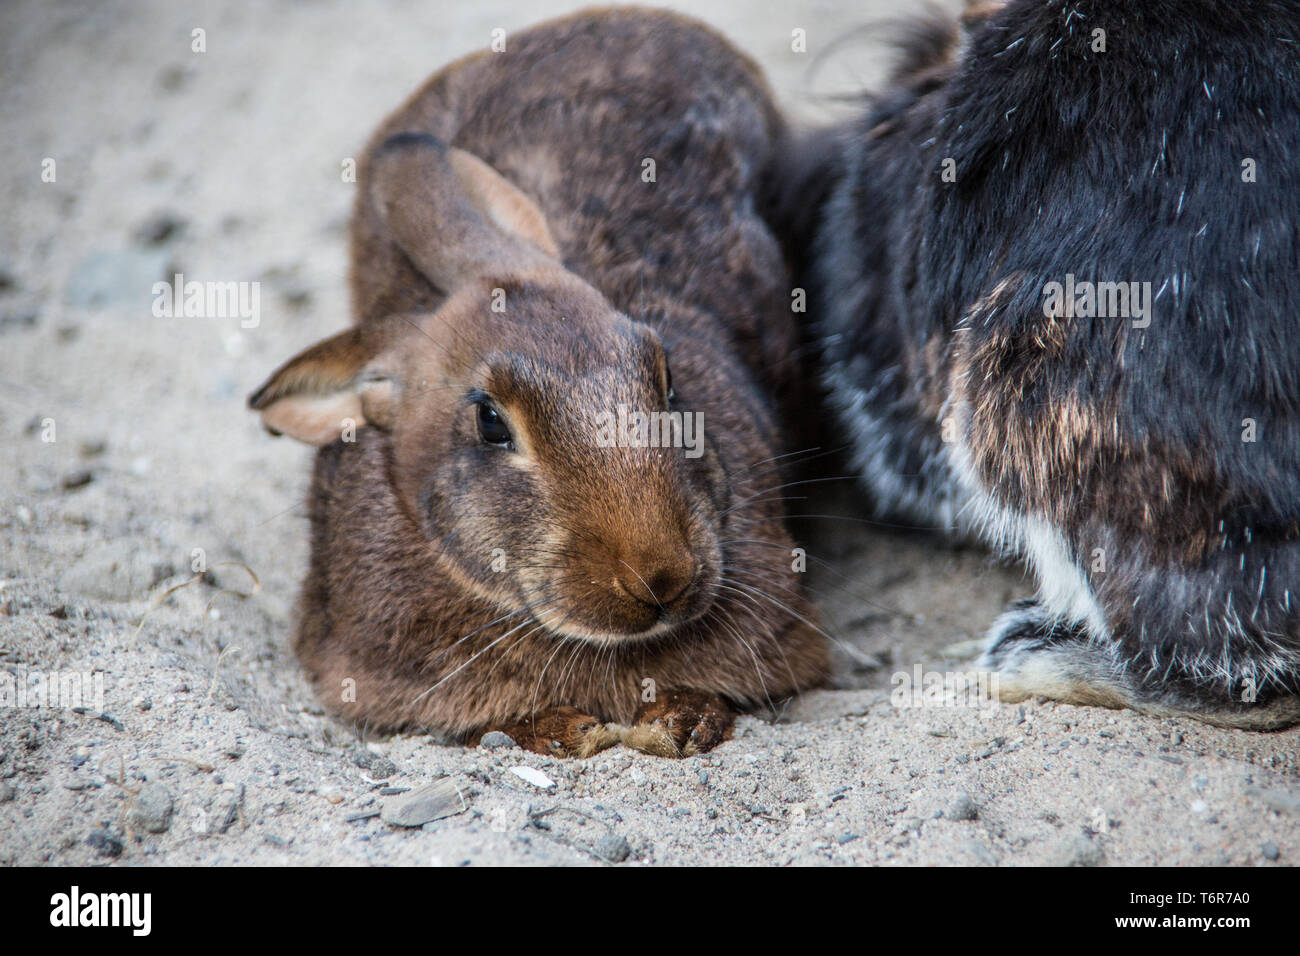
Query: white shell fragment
(535, 777)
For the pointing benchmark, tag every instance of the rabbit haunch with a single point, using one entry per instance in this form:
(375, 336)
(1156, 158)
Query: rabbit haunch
(1147, 469)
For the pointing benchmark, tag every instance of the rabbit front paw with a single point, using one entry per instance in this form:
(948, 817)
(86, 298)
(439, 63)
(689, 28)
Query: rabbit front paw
(563, 732)
(680, 724)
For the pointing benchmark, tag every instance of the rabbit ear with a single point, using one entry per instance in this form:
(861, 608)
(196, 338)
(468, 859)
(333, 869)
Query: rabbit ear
(315, 395)
(456, 217)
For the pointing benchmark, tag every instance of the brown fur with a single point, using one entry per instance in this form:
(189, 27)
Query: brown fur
(680, 725)
(561, 732)
(622, 565)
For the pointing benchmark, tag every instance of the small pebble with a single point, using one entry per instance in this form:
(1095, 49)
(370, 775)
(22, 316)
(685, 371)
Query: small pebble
(104, 843)
(963, 807)
(379, 767)
(496, 740)
(92, 447)
(613, 847)
(158, 228)
(1271, 852)
(77, 478)
(151, 809)
(228, 809)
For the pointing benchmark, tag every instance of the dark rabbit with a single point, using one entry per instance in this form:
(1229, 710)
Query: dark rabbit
(480, 560)
(1140, 447)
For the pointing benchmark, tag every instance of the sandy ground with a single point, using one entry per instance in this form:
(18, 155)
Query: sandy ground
(225, 165)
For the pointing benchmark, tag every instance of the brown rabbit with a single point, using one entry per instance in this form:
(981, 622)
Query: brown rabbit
(538, 235)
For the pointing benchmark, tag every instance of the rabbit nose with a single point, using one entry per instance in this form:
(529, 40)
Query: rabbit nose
(656, 584)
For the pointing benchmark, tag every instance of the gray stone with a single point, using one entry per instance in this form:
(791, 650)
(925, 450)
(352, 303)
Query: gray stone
(1283, 801)
(379, 767)
(159, 228)
(613, 847)
(151, 809)
(227, 809)
(92, 447)
(496, 740)
(1271, 852)
(104, 843)
(424, 804)
(116, 277)
(963, 807)
(77, 478)
(1081, 851)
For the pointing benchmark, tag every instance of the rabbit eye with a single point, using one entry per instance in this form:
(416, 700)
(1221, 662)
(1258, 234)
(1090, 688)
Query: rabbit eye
(668, 375)
(492, 427)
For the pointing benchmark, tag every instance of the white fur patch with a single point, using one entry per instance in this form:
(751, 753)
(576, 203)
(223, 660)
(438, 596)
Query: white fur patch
(1063, 588)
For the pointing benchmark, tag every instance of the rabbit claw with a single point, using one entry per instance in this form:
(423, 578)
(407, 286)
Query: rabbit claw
(563, 732)
(680, 724)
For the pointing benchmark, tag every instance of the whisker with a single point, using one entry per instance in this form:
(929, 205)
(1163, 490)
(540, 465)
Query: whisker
(471, 660)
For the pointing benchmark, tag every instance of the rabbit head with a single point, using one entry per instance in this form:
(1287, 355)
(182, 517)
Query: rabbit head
(504, 407)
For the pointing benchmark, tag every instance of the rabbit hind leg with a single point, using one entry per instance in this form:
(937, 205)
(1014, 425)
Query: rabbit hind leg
(1032, 653)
